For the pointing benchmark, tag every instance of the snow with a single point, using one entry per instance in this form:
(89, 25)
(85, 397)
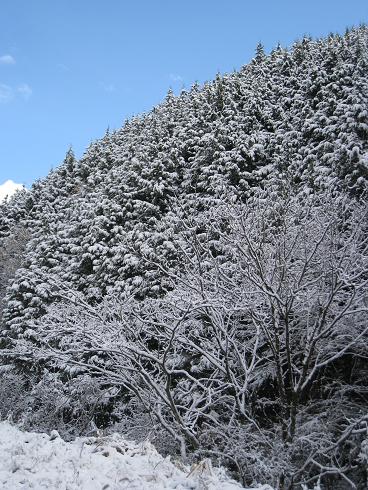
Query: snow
(8, 188)
(39, 461)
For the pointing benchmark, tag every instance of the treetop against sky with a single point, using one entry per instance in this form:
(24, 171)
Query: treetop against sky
(69, 70)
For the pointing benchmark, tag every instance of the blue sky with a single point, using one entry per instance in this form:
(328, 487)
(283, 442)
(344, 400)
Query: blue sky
(71, 68)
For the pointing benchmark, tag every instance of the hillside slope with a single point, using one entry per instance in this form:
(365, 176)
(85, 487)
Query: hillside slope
(201, 275)
(298, 115)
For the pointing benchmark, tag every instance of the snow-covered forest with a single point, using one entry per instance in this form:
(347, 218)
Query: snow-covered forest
(199, 276)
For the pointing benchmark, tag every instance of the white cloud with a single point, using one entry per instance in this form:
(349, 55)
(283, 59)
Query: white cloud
(108, 87)
(25, 91)
(7, 59)
(62, 67)
(176, 78)
(6, 93)
(8, 188)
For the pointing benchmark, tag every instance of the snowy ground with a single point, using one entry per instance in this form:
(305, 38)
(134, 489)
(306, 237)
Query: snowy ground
(39, 461)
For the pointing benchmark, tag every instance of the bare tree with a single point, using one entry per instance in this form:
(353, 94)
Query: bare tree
(265, 320)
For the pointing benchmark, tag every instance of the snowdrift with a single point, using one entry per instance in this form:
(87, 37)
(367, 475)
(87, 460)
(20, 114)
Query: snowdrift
(39, 461)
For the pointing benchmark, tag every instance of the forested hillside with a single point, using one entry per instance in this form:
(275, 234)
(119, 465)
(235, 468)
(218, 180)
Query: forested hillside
(202, 273)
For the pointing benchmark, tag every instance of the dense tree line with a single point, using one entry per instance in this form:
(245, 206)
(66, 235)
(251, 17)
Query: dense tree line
(204, 269)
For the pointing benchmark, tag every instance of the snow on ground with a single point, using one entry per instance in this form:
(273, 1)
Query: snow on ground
(39, 461)
(8, 188)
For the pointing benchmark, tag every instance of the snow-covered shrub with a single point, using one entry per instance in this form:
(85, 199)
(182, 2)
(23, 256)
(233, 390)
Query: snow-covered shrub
(13, 391)
(72, 407)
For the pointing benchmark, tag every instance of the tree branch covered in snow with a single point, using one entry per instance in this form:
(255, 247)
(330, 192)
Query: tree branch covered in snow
(270, 300)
